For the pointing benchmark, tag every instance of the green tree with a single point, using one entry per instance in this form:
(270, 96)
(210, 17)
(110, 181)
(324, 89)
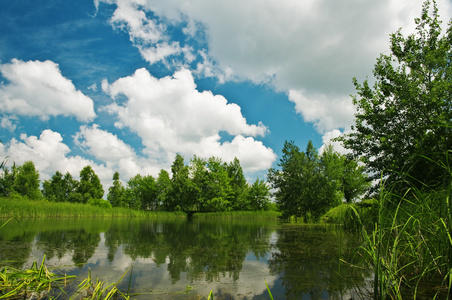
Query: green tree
(239, 186)
(258, 195)
(180, 194)
(7, 179)
(163, 186)
(117, 192)
(403, 123)
(53, 189)
(309, 184)
(26, 182)
(218, 191)
(90, 186)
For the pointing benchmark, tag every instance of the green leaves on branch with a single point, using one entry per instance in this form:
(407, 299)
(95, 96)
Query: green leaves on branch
(309, 184)
(406, 115)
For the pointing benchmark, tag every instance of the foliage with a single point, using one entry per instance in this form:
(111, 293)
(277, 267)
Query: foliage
(308, 184)
(117, 192)
(100, 203)
(59, 188)
(32, 283)
(20, 207)
(26, 181)
(258, 195)
(141, 193)
(90, 186)
(406, 116)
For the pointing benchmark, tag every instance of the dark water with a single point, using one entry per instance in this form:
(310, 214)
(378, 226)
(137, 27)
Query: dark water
(234, 259)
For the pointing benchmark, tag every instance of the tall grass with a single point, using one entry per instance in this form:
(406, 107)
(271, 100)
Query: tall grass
(18, 207)
(409, 247)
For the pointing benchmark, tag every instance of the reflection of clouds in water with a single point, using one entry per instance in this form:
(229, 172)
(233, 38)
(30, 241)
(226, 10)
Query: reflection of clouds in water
(147, 275)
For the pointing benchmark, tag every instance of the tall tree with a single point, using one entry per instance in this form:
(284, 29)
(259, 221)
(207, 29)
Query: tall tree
(239, 186)
(180, 195)
(117, 192)
(259, 195)
(90, 186)
(403, 124)
(26, 182)
(163, 186)
(309, 184)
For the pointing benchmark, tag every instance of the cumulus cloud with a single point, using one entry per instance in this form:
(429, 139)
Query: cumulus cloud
(172, 116)
(327, 139)
(310, 47)
(7, 123)
(326, 113)
(116, 154)
(36, 88)
(50, 154)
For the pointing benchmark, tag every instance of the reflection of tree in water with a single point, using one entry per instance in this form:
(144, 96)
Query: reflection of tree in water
(308, 261)
(57, 243)
(16, 250)
(202, 249)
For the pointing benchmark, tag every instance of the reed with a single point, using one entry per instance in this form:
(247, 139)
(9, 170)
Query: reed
(18, 207)
(409, 248)
(33, 283)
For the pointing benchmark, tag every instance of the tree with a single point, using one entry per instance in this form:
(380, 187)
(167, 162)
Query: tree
(90, 186)
(403, 123)
(239, 186)
(309, 184)
(163, 186)
(53, 189)
(180, 195)
(7, 179)
(259, 195)
(117, 192)
(26, 182)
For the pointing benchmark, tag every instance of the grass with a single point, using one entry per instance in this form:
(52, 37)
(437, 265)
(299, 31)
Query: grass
(33, 283)
(409, 246)
(23, 208)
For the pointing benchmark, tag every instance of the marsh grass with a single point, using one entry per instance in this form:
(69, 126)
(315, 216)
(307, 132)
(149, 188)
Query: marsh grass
(33, 283)
(88, 289)
(409, 247)
(18, 207)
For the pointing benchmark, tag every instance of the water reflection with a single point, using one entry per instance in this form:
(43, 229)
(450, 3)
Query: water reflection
(232, 258)
(308, 259)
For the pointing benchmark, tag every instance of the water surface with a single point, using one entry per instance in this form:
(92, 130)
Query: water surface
(186, 259)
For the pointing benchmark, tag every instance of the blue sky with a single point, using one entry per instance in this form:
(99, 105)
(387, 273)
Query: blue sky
(124, 85)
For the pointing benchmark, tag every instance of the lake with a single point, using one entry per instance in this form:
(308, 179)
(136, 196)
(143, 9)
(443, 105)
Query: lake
(186, 259)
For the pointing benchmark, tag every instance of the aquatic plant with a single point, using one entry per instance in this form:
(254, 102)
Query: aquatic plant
(35, 282)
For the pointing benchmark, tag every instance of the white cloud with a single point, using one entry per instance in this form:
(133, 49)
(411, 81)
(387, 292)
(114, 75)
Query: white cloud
(50, 154)
(172, 116)
(39, 89)
(7, 123)
(326, 113)
(312, 47)
(337, 146)
(112, 151)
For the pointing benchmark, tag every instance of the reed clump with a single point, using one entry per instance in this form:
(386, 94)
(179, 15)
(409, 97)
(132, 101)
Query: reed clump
(18, 207)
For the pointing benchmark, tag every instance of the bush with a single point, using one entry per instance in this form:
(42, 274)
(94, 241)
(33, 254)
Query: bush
(100, 203)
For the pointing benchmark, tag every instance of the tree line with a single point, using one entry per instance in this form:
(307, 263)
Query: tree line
(204, 185)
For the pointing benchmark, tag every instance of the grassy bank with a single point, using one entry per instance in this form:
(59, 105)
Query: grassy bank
(23, 208)
(238, 215)
(407, 242)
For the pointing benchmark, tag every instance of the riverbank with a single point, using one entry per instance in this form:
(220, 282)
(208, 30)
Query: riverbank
(18, 207)
(22, 208)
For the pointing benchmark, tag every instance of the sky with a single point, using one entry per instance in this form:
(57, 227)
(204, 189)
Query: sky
(125, 85)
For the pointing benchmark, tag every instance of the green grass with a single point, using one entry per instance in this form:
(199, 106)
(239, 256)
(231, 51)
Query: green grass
(23, 208)
(238, 215)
